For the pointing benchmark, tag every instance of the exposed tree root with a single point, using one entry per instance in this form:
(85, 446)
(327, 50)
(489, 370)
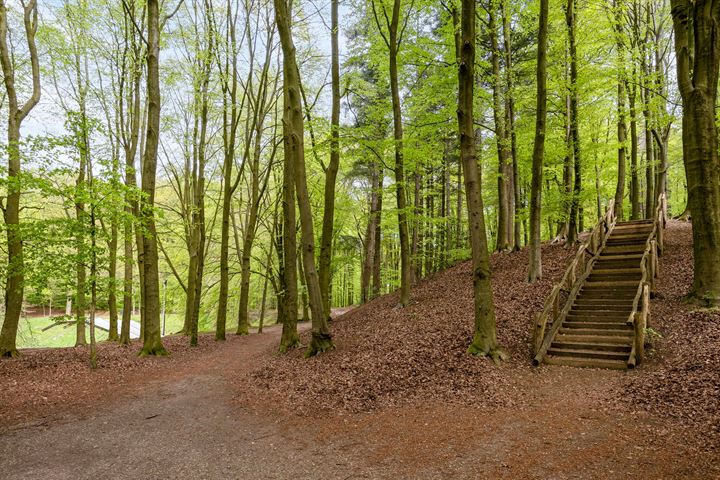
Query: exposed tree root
(154, 351)
(289, 342)
(702, 301)
(685, 216)
(12, 353)
(483, 349)
(320, 343)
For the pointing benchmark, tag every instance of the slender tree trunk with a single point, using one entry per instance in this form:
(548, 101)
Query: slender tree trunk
(634, 180)
(515, 200)
(505, 195)
(112, 281)
(325, 259)
(392, 41)
(152, 342)
(575, 208)
(369, 244)
(291, 138)
(131, 208)
(484, 337)
(80, 247)
(621, 122)
(14, 284)
(293, 127)
(377, 254)
(535, 270)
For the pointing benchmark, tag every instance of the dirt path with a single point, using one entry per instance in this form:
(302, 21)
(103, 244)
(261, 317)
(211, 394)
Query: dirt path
(189, 424)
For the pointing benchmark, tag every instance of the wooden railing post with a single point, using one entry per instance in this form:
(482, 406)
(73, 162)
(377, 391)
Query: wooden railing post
(653, 263)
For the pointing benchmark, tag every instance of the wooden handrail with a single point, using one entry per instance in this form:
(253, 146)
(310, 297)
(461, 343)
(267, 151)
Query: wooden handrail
(570, 282)
(639, 315)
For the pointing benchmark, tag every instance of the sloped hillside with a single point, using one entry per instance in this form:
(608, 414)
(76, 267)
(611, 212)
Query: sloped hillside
(387, 356)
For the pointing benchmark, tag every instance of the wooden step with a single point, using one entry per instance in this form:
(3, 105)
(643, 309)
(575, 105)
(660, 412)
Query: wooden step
(585, 362)
(603, 310)
(596, 332)
(619, 258)
(600, 302)
(615, 284)
(598, 325)
(604, 355)
(616, 271)
(627, 239)
(603, 347)
(606, 317)
(608, 277)
(604, 339)
(598, 294)
(634, 222)
(624, 249)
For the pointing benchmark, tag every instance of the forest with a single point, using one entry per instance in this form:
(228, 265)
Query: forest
(107, 199)
(180, 174)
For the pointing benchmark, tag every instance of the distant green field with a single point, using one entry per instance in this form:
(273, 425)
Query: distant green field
(31, 334)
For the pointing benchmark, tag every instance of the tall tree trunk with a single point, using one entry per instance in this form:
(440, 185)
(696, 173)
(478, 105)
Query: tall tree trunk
(484, 337)
(515, 200)
(697, 72)
(575, 208)
(634, 180)
(393, 40)
(369, 245)
(293, 128)
(231, 107)
(152, 342)
(292, 141)
(535, 269)
(505, 195)
(649, 151)
(112, 281)
(416, 236)
(621, 123)
(80, 247)
(14, 284)
(325, 259)
(376, 278)
(131, 137)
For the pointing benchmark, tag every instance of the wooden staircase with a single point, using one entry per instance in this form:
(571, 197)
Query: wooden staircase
(596, 316)
(595, 332)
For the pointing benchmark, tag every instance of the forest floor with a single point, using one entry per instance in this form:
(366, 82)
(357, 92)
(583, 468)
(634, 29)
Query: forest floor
(398, 398)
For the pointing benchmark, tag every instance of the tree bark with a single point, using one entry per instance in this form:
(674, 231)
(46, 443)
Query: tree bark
(14, 285)
(535, 269)
(634, 180)
(515, 200)
(393, 39)
(697, 72)
(152, 343)
(505, 195)
(331, 171)
(484, 337)
(621, 123)
(293, 128)
(575, 207)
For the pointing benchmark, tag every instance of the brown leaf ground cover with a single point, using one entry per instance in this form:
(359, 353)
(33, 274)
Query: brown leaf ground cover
(682, 377)
(391, 357)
